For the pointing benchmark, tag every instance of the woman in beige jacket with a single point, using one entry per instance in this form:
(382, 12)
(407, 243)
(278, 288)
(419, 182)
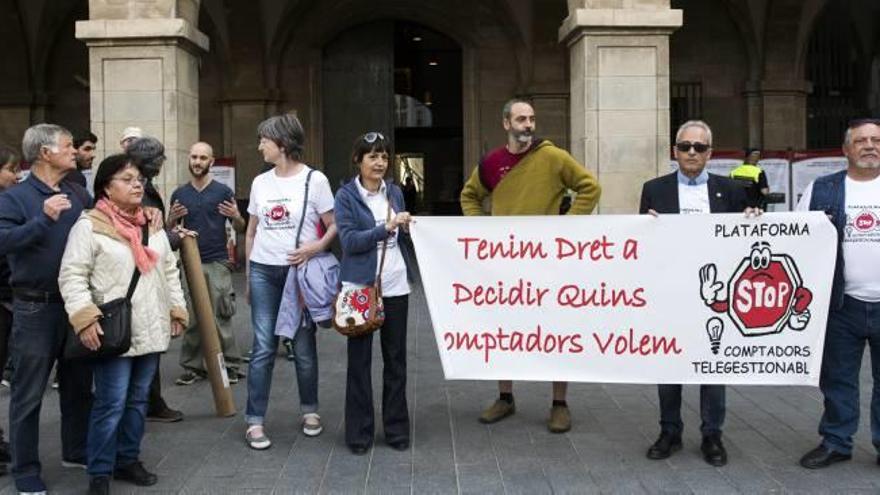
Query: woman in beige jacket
(103, 250)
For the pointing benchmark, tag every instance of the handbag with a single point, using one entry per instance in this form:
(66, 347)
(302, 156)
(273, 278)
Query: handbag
(358, 311)
(115, 322)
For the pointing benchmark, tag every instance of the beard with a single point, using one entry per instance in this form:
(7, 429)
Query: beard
(198, 173)
(522, 136)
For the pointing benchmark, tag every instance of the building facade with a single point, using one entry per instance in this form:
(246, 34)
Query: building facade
(610, 79)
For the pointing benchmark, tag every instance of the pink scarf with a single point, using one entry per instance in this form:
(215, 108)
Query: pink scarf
(129, 227)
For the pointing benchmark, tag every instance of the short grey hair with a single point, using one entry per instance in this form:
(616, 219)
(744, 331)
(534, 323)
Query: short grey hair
(508, 106)
(286, 131)
(695, 123)
(40, 135)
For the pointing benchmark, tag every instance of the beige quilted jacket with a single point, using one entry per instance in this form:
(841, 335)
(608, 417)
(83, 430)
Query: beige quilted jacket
(97, 267)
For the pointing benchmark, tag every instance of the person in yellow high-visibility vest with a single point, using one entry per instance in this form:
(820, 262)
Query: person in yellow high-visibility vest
(753, 178)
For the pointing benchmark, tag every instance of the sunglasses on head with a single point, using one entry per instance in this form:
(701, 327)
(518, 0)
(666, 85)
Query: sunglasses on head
(371, 137)
(685, 146)
(860, 122)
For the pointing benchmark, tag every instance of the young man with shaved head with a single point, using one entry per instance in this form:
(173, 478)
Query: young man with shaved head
(204, 205)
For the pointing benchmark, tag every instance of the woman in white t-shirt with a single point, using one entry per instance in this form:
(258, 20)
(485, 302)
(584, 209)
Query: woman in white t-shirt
(371, 212)
(276, 211)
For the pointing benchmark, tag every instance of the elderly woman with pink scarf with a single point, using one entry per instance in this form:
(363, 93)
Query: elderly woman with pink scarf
(103, 250)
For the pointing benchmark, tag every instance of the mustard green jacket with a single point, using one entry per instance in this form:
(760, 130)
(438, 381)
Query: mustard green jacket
(535, 186)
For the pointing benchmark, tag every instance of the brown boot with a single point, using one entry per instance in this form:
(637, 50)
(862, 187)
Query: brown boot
(498, 411)
(560, 419)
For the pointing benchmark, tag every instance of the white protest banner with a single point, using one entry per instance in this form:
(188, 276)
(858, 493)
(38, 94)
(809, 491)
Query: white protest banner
(629, 298)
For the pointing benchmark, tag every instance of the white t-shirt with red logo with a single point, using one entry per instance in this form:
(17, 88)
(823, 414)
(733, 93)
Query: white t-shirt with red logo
(277, 202)
(861, 238)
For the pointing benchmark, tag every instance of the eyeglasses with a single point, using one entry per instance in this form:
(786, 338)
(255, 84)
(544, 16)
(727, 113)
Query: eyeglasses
(371, 137)
(685, 146)
(131, 181)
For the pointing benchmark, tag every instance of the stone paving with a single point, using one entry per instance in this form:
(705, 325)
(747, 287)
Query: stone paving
(767, 430)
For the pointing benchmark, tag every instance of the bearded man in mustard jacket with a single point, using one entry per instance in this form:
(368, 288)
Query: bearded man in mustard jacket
(528, 176)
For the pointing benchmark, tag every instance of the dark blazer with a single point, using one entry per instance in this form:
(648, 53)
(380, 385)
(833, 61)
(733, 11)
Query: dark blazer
(661, 195)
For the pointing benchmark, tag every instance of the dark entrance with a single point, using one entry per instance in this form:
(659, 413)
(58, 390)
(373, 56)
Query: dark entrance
(404, 80)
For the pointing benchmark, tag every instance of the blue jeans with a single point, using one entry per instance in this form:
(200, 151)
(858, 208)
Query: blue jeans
(712, 409)
(266, 286)
(122, 386)
(849, 328)
(38, 334)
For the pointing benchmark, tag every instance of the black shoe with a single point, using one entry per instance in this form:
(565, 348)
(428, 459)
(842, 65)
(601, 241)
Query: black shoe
(166, 415)
(399, 445)
(135, 473)
(359, 449)
(99, 485)
(665, 445)
(713, 450)
(822, 456)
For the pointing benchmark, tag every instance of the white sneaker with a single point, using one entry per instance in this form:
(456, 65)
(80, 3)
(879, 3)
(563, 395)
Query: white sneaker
(312, 425)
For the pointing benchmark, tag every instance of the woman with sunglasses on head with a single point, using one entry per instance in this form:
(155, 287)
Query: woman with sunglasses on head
(104, 249)
(369, 212)
(282, 233)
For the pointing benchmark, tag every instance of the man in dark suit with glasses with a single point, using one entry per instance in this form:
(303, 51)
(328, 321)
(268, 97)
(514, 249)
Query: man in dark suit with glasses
(692, 190)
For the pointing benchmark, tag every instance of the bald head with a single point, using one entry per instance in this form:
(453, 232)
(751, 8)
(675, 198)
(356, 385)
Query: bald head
(201, 157)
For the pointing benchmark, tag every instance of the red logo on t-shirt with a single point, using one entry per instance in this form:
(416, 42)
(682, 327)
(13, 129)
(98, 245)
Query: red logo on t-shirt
(865, 221)
(278, 212)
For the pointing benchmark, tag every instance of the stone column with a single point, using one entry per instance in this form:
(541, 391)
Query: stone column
(619, 65)
(785, 113)
(755, 109)
(144, 73)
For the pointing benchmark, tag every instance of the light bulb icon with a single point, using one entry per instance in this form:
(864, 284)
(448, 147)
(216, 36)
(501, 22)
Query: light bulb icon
(715, 327)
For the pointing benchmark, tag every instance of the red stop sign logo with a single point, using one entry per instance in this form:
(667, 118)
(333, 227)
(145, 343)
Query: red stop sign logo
(278, 212)
(865, 221)
(761, 299)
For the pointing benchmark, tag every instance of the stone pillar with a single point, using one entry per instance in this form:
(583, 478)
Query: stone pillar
(785, 113)
(619, 66)
(755, 109)
(144, 73)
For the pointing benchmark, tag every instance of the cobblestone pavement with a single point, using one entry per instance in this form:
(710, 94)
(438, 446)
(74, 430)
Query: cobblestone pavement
(767, 430)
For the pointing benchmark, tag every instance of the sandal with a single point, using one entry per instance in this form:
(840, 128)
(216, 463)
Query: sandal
(257, 441)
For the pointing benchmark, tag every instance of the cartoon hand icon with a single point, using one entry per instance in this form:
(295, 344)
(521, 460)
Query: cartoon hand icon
(798, 321)
(709, 287)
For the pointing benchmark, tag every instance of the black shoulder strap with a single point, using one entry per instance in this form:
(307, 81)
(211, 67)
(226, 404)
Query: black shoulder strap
(145, 239)
(302, 217)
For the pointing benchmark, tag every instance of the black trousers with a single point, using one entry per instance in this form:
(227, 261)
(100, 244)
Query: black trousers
(712, 409)
(156, 403)
(359, 415)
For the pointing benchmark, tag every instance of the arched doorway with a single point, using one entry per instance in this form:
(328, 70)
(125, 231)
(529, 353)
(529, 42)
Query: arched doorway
(404, 80)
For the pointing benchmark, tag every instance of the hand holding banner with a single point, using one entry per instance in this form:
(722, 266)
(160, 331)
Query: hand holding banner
(634, 299)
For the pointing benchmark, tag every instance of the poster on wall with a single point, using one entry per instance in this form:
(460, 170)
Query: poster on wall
(223, 171)
(629, 298)
(807, 167)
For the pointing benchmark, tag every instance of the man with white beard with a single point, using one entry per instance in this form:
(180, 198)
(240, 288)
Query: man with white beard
(851, 198)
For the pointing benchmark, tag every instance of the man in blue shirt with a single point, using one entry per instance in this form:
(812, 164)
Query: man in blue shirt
(35, 219)
(204, 206)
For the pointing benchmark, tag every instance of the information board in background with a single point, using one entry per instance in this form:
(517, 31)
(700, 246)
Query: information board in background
(223, 171)
(629, 298)
(777, 170)
(807, 167)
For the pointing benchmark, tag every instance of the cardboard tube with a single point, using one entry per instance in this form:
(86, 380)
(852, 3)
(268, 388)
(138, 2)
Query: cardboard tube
(201, 301)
